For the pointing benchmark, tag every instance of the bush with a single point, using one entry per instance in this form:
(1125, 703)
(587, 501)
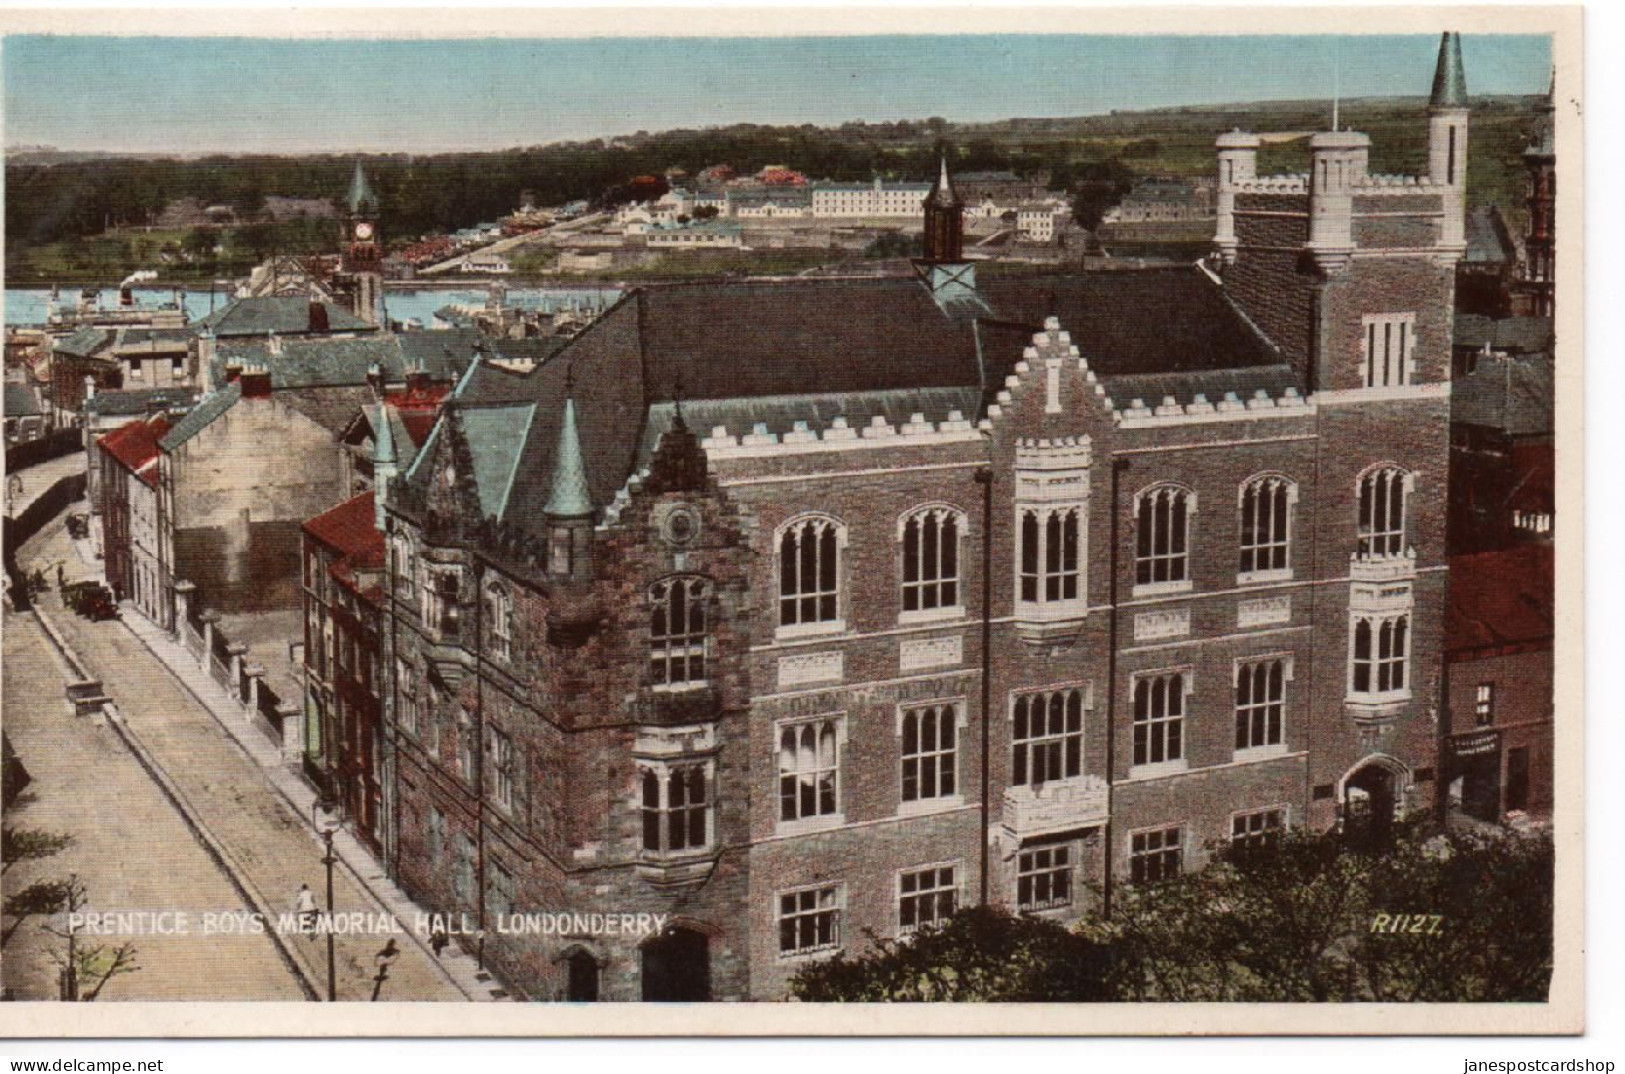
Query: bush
(980, 955)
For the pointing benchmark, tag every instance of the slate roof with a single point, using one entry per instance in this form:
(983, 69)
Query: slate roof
(120, 401)
(1489, 240)
(440, 349)
(159, 339)
(210, 407)
(1500, 598)
(786, 350)
(495, 436)
(779, 195)
(85, 342)
(283, 315)
(1512, 394)
(319, 361)
(332, 408)
(1515, 335)
(135, 446)
(21, 401)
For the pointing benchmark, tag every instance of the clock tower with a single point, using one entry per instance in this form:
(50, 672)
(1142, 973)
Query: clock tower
(364, 248)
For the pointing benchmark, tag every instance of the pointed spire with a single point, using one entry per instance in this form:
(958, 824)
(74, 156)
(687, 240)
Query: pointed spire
(383, 465)
(571, 497)
(943, 194)
(1543, 143)
(361, 199)
(1450, 77)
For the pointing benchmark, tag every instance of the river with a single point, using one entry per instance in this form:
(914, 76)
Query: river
(27, 306)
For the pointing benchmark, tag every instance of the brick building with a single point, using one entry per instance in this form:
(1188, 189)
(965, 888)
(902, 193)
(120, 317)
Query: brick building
(798, 609)
(127, 502)
(1498, 664)
(343, 584)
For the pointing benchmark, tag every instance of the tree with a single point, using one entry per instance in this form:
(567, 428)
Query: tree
(980, 955)
(200, 243)
(1317, 918)
(1101, 184)
(29, 844)
(706, 212)
(41, 898)
(85, 971)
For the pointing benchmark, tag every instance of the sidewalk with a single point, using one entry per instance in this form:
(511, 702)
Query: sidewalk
(457, 969)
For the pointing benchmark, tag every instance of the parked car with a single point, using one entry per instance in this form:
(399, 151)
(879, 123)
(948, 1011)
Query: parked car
(93, 600)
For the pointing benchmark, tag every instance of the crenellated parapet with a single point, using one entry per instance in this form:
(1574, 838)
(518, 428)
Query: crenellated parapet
(1288, 403)
(839, 435)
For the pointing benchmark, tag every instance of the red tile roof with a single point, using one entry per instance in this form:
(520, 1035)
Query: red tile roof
(350, 530)
(1500, 598)
(135, 445)
(1535, 470)
(418, 406)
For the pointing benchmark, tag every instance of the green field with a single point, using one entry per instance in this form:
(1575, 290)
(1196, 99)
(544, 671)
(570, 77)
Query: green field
(46, 205)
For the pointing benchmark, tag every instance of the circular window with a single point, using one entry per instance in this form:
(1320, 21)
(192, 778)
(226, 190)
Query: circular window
(681, 525)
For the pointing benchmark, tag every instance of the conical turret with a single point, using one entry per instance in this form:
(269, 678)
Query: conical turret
(1449, 77)
(383, 462)
(570, 496)
(1447, 141)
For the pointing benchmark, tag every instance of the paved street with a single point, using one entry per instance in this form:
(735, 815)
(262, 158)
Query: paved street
(131, 849)
(271, 848)
(37, 479)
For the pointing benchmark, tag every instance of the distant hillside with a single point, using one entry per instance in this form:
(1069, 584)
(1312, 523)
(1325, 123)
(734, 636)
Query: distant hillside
(56, 197)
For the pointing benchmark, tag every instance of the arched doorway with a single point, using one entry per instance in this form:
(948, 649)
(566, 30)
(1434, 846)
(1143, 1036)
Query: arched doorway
(582, 977)
(677, 967)
(1371, 799)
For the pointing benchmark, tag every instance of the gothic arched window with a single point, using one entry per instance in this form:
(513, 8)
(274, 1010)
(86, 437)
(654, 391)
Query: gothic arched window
(810, 572)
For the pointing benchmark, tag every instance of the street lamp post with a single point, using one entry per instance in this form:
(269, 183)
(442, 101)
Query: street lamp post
(384, 959)
(328, 826)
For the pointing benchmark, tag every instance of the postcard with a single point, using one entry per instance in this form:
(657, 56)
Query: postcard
(1053, 522)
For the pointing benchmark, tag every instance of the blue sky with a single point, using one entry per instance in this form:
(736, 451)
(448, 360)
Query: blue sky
(243, 95)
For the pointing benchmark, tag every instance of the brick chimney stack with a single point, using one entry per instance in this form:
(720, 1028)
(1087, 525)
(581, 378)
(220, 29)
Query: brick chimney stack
(256, 382)
(318, 316)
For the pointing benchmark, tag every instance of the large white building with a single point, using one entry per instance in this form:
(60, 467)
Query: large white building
(869, 199)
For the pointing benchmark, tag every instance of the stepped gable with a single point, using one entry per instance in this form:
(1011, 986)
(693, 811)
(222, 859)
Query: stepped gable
(793, 354)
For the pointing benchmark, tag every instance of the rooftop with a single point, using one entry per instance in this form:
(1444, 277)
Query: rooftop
(135, 446)
(1500, 598)
(21, 400)
(1515, 335)
(115, 402)
(1512, 394)
(810, 349)
(210, 407)
(283, 315)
